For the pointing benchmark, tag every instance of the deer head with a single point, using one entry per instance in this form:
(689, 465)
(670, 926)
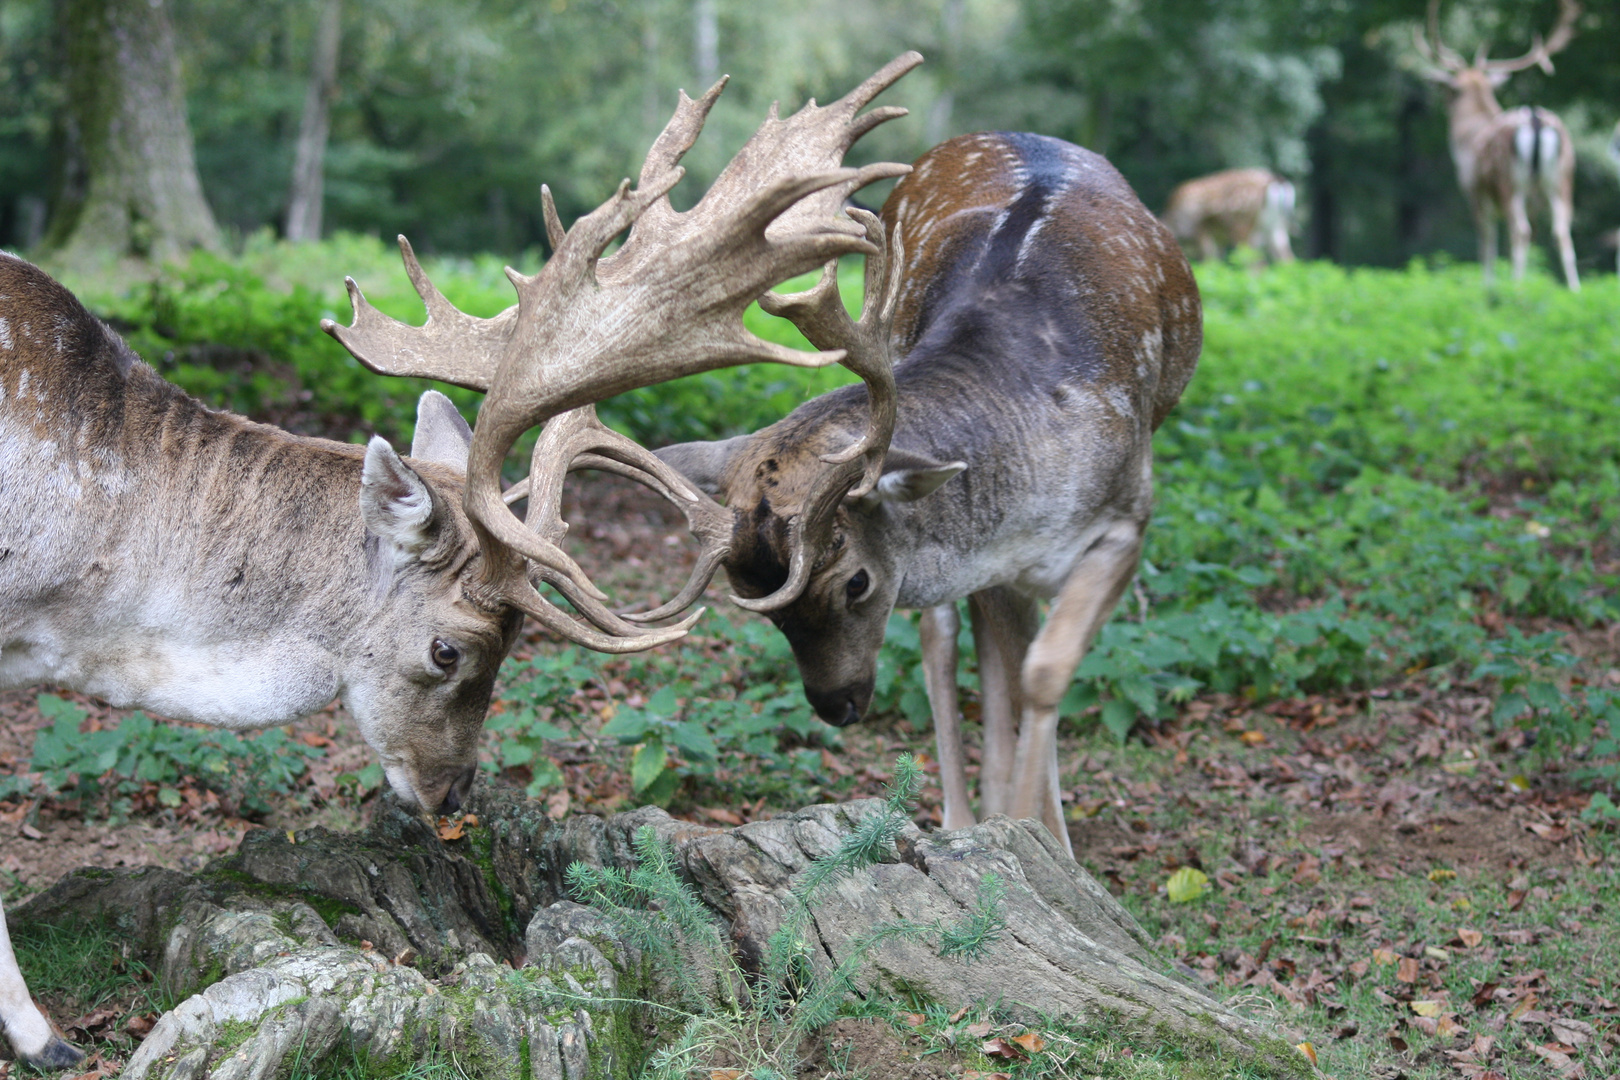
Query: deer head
(1473, 83)
(669, 303)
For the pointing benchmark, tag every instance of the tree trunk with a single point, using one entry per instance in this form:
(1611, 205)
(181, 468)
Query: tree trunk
(127, 115)
(390, 944)
(306, 193)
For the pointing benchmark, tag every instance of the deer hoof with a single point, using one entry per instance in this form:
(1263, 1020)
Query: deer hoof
(57, 1054)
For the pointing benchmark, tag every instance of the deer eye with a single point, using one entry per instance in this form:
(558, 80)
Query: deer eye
(445, 655)
(857, 585)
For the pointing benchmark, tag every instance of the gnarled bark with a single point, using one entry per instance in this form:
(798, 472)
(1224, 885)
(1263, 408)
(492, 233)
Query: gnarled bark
(391, 945)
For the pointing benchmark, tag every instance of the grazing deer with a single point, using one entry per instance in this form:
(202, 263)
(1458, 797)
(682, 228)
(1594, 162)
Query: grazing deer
(160, 554)
(1045, 323)
(1237, 206)
(1503, 158)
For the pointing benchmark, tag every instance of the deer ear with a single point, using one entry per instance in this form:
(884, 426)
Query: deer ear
(703, 463)
(395, 503)
(908, 477)
(441, 434)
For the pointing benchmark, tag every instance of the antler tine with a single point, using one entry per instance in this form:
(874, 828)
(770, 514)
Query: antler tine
(1541, 51)
(1433, 48)
(451, 346)
(555, 233)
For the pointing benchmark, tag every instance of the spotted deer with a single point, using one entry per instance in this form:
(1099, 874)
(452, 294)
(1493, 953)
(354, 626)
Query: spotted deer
(1238, 206)
(159, 554)
(1026, 329)
(1503, 158)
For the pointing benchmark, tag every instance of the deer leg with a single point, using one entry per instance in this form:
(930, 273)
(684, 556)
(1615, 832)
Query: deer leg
(1518, 233)
(1560, 205)
(30, 1033)
(937, 628)
(1003, 622)
(1485, 225)
(1208, 250)
(1082, 606)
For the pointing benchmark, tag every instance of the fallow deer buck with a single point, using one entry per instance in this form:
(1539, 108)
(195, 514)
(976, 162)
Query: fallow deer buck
(157, 553)
(1237, 206)
(1504, 158)
(1044, 324)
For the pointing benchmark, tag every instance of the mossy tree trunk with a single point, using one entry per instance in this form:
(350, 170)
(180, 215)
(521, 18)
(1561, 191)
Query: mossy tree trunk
(131, 187)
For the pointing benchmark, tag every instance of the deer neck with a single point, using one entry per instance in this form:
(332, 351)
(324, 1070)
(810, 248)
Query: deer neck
(1473, 112)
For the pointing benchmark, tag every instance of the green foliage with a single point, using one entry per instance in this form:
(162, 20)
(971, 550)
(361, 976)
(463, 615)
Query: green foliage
(762, 1019)
(114, 763)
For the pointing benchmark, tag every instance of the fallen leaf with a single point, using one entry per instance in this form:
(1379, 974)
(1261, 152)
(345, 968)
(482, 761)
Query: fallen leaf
(1468, 937)
(139, 1026)
(1440, 873)
(1187, 885)
(1031, 1042)
(1435, 953)
(1397, 1044)
(978, 1030)
(310, 738)
(31, 833)
(1516, 898)
(1384, 956)
(1448, 1028)
(1253, 738)
(1308, 1050)
(1426, 1008)
(1482, 996)
(1525, 1004)
(1407, 970)
(958, 1014)
(725, 1074)
(1001, 1048)
(449, 830)
(915, 1020)
(986, 1076)
(1574, 1032)
(1425, 1024)
(721, 814)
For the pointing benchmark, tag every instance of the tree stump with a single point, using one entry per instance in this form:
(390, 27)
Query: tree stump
(391, 945)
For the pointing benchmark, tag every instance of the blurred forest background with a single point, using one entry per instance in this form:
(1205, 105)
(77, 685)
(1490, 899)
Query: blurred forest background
(443, 117)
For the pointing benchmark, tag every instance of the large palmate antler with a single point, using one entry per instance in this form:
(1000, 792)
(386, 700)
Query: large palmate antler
(668, 304)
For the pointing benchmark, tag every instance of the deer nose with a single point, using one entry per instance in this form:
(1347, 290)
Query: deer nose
(840, 708)
(459, 788)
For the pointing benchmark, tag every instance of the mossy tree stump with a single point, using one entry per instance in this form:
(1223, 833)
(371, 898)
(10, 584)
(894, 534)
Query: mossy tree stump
(390, 945)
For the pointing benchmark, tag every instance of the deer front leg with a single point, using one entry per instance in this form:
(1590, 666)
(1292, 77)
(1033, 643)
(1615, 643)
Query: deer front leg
(25, 1026)
(937, 628)
(1082, 606)
(1004, 623)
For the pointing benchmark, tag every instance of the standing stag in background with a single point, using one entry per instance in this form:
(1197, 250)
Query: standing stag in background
(1045, 323)
(1503, 158)
(159, 554)
(1238, 206)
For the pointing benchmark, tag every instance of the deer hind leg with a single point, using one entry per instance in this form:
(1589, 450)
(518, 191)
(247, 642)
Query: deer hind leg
(1004, 622)
(1485, 226)
(937, 628)
(1559, 203)
(25, 1026)
(1518, 215)
(1082, 606)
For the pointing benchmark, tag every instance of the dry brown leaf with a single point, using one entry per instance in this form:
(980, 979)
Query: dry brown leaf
(958, 1014)
(725, 1074)
(1525, 1004)
(1001, 1048)
(449, 830)
(1030, 1041)
(1384, 956)
(1483, 996)
(1425, 1024)
(1469, 938)
(915, 1020)
(986, 1076)
(1448, 1028)
(721, 814)
(1574, 1032)
(1308, 1050)
(1407, 970)
(1253, 738)
(978, 1030)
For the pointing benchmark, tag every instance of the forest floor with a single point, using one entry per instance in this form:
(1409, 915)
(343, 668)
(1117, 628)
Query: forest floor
(1390, 880)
